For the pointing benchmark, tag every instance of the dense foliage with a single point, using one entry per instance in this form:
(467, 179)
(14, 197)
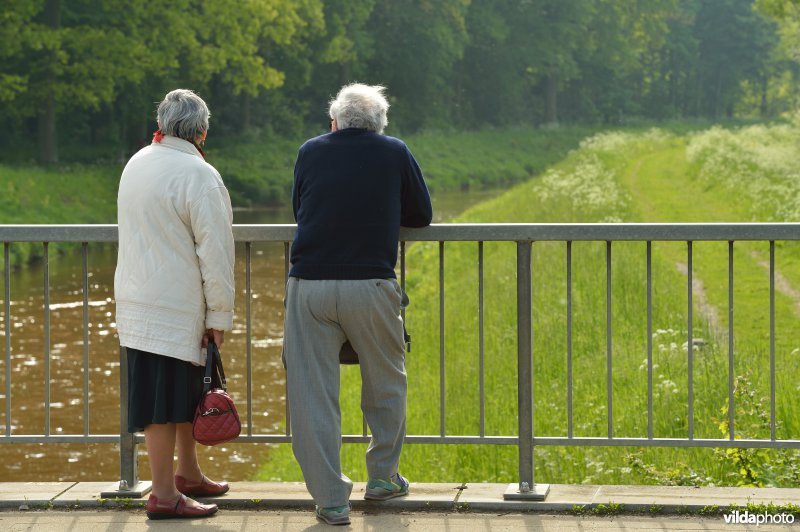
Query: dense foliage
(81, 77)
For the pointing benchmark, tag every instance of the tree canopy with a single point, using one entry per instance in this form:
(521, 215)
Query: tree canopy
(88, 73)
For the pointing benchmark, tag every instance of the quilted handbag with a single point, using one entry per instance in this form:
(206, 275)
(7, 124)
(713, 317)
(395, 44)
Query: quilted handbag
(216, 419)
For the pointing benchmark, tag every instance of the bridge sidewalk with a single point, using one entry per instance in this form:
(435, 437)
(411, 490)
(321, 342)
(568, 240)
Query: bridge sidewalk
(436, 497)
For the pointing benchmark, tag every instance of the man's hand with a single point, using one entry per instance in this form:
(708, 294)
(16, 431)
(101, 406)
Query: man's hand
(215, 334)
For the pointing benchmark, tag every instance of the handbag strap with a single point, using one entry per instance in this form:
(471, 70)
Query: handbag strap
(213, 368)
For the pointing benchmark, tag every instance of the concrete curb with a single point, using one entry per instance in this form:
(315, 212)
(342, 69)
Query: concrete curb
(455, 497)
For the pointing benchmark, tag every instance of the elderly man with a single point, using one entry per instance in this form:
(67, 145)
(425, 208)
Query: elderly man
(353, 189)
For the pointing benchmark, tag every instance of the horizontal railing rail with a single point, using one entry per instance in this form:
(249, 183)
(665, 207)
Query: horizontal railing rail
(456, 232)
(524, 235)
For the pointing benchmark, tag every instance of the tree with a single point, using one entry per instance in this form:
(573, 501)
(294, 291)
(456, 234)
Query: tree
(347, 43)
(14, 37)
(72, 56)
(618, 64)
(491, 77)
(733, 42)
(676, 71)
(416, 44)
(558, 29)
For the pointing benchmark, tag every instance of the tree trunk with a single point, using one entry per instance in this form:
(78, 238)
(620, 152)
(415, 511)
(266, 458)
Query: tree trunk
(764, 109)
(47, 134)
(47, 140)
(551, 95)
(699, 94)
(246, 111)
(345, 72)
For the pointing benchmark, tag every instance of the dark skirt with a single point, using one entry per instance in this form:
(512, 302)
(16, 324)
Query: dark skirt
(161, 389)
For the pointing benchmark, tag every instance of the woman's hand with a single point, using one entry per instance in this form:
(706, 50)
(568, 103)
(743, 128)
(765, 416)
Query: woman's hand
(215, 334)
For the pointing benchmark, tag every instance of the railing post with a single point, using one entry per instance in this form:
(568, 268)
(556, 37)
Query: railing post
(526, 488)
(129, 485)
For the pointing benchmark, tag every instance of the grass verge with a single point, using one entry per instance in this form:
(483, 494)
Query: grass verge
(651, 177)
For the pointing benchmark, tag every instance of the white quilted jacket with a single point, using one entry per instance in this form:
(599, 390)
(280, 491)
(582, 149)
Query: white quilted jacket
(174, 277)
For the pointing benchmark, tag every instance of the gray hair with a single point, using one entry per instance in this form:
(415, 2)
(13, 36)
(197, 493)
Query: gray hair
(183, 114)
(361, 106)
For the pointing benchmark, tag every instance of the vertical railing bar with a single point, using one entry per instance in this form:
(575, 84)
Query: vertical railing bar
(441, 340)
(46, 268)
(481, 342)
(128, 458)
(7, 302)
(609, 384)
(85, 256)
(649, 340)
(363, 424)
(402, 309)
(525, 362)
(772, 422)
(286, 263)
(690, 344)
(286, 256)
(569, 339)
(248, 254)
(731, 433)
(403, 276)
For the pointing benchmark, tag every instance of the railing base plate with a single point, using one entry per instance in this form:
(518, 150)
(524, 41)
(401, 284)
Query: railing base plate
(138, 491)
(537, 493)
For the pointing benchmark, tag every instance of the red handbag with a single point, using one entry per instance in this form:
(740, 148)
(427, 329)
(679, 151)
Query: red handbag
(216, 419)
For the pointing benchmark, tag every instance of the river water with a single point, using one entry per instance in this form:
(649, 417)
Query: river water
(100, 462)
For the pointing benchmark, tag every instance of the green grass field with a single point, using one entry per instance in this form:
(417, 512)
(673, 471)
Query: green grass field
(259, 171)
(709, 176)
(70, 194)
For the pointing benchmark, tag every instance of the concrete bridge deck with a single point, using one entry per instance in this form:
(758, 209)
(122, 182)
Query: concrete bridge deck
(295, 521)
(287, 506)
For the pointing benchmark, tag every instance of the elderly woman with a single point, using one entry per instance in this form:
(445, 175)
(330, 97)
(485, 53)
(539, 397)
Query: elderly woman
(174, 291)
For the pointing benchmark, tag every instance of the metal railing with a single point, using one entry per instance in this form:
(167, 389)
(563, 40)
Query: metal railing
(524, 235)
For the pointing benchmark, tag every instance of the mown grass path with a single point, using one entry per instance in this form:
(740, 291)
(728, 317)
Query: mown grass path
(666, 189)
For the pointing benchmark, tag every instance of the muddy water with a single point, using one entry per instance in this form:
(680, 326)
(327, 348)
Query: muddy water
(29, 365)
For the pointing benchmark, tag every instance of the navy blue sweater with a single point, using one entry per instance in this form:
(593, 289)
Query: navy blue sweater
(352, 191)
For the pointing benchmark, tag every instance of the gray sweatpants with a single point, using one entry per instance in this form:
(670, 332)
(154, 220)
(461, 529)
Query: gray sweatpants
(320, 316)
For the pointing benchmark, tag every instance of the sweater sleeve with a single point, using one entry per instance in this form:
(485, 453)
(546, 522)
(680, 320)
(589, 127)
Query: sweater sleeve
(296, 185)
(212, 219)
(416, 209)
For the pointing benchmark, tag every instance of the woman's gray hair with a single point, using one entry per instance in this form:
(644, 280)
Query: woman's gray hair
(361, 106)
(183, 114)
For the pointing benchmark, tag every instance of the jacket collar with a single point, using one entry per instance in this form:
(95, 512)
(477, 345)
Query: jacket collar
(178, 144)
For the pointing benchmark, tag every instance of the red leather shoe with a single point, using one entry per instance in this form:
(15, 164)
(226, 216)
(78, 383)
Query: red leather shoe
(177, 509)
(204, 488)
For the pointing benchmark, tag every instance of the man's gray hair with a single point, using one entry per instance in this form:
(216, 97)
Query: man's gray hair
(183, 114)
(361, 106)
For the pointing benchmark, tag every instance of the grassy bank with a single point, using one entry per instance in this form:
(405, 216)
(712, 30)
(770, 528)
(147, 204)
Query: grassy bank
(65, 195)
(259, 171)
(711, 176)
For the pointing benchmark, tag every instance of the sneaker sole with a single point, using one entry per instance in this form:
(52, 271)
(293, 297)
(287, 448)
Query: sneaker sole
(393, 495)
(331, 522)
